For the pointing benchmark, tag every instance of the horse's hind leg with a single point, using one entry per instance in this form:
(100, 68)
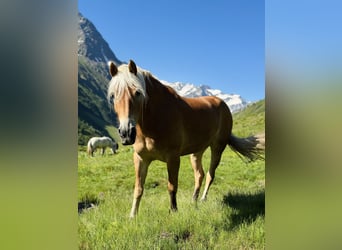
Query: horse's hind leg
(196, 163)
(216, 152)
(141, 168)
(172, 186)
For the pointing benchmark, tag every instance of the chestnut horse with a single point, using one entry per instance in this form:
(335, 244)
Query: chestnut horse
(164, 126)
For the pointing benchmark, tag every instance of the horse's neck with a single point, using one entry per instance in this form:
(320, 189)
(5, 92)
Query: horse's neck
(157, 103)
(158, 93)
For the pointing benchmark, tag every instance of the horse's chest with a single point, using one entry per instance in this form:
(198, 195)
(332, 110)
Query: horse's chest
(145, 145)
(150, 144)
(149, 148)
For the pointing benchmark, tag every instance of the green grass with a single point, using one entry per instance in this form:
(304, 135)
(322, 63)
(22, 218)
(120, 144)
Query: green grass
(251, 120)
(233, 216)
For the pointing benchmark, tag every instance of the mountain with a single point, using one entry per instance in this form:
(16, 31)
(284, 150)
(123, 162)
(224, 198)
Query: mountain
(235, 102)
(95, 118)
(91, 44)
(94, 113)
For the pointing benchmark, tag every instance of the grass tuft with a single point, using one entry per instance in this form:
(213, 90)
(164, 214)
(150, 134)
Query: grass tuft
(232, 216)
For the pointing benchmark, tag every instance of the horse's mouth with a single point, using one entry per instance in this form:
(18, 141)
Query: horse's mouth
(126, 141)
(128, 138)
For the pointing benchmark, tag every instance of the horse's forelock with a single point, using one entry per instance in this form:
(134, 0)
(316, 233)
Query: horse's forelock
(125, 80)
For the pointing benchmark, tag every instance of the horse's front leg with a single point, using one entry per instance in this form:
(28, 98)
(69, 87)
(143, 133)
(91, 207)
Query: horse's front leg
(173, 170)
(141, 167)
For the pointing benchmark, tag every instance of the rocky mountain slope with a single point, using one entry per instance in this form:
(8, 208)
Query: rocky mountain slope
(94, 114)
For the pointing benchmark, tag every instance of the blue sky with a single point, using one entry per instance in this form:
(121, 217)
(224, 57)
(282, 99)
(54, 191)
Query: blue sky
(305, 36)
(217, 43)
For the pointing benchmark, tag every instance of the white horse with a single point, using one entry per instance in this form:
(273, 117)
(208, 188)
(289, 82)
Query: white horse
(103, 143)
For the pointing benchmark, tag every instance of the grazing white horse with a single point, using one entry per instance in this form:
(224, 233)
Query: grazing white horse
(103, 143)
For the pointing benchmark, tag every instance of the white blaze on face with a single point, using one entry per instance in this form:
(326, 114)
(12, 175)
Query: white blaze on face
(125, 124)
(127, 80)
(127, 131)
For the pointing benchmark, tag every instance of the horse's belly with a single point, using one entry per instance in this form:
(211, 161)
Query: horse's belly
(202, 136)
(191, 150)
(194, 146)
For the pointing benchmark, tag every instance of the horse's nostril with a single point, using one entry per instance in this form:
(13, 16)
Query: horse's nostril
(122, 132)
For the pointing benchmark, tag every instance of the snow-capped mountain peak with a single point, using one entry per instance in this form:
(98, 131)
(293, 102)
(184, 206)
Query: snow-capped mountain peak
(235, 102)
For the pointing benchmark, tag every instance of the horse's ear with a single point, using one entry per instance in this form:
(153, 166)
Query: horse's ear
(112, 68)
(132, 67)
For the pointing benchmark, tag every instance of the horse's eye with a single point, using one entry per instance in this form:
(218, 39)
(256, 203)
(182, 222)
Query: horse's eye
(137, 94)
(111, 98)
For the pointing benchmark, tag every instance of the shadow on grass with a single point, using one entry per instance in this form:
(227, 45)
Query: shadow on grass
(87, 204)
(246, 207)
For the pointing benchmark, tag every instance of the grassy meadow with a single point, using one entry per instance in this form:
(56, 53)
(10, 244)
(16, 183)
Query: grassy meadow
(233, 216)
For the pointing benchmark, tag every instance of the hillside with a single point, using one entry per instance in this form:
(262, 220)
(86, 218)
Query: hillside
(94, 114)
(251, 120)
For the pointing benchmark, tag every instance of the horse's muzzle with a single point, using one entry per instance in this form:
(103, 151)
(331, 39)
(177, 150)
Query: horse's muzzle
(128, 135)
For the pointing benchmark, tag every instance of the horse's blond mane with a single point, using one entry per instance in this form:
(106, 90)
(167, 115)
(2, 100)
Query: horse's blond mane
(125, 80)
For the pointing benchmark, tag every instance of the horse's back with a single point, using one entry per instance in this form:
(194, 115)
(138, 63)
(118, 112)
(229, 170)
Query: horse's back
(207, 114)
(100, 141)
(105, 141)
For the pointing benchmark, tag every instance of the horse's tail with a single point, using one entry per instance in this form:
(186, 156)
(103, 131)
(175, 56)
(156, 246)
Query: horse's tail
(252, 147)
(89, 148)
